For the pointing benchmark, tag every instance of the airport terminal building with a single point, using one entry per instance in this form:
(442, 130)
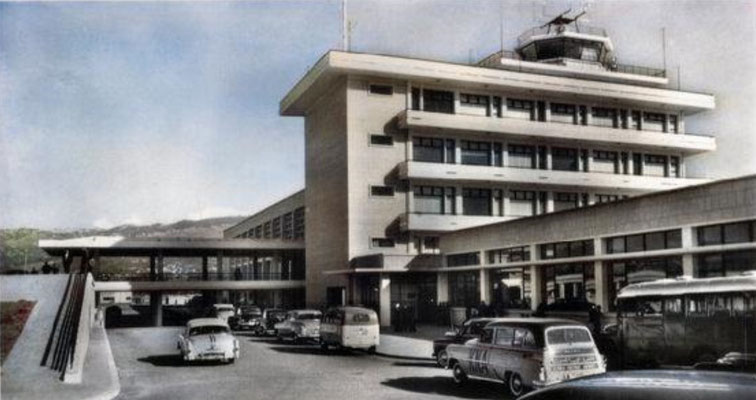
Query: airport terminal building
(522, 179)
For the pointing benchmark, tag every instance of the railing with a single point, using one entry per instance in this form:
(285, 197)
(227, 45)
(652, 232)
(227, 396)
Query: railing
(61, 346)
(637, 70)
(198, 276)
(546, 30)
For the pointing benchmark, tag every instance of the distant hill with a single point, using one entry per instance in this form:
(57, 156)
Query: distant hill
(18, 247)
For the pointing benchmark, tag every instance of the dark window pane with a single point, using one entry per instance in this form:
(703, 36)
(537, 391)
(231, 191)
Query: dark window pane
(674, 239)
(383, 140)
(438, 101)
(710, 235)
(564, 159)
(655, 241)
(634, 243)
(382, 89)
(382, 190)
(737, 233)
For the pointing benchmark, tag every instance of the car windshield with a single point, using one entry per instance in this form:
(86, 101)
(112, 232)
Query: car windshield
(567, 335)
(208, 330)
(308, 316)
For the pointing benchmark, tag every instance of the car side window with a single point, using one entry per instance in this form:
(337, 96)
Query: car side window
(523, 338)
(504, 336)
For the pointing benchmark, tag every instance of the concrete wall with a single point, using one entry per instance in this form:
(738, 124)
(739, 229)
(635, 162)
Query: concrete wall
(326, 217)
(704, 204)
(74, 371)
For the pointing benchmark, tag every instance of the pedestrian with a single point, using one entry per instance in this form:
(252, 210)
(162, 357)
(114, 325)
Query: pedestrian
(594, 316)
(46, 269)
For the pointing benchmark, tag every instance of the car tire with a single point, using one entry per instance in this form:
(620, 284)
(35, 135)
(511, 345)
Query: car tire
(323, 345)
(442, 358)
(371, 350)
(515, 385)
(231, 360)
(458, 374)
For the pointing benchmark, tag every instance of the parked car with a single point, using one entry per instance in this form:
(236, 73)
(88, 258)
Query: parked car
(526, 353)
(223, 311)
(300, 325)
(350, 327)
(469, 329)
(208, 339)
(653, 385)
(732, 361)
(247, 317)
(270, 317)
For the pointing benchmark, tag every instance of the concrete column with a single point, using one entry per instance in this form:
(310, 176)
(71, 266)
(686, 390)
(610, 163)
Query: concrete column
(665, 123)
(591, 199)
(640, 120)
(205, 274)
(589, 160)
(536, 279)
(422, 101)
(547, 111)
(588, 116)
(458, 200)
(630, 163)
(160, 270)
(156, 307)
(408, 146)
(456, 101)
(548, 158)
(384, 293)
(219, 265)
(408, 103)
(504, 155)
(410, 198)
(687, 244)
(505, 200)
(682, 166)
(442, 287)
(549, 201)
(491, 110)
(457, 152)
(153, 274)
(485, 292)
(602, 286)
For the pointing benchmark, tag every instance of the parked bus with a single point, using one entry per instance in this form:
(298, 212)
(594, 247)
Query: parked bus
(684, 321)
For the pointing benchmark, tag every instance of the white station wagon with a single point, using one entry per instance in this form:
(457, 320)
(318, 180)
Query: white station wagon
(208, 339)
(527, 353)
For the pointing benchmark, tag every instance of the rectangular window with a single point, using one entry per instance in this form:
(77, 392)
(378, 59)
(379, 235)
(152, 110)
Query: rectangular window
(607, 198)
(674, 126)
(381, 89)
(564, 159)
(299, 223)
(288, 226)
(464, 289)
(439, 101)
(522, 203)
(384, 191)
(428, 149)
(276, 227)
(511, 254)
(463, 259)
(382, 242)
(635, 120)
(476, 201)
(654, 165)
(450, 151)
(497, 155)
(416, 99)
(381, 140)
(674, 165)
(497, 106)
(521, 156)
(428, 199)
(653, 122)
(520, 109)
(475, 153)
(564, 113)
(576, 248)
(737, 232)
(473, 99)
(565, 201)
(605, 161)
(604, 117)
(659, 240)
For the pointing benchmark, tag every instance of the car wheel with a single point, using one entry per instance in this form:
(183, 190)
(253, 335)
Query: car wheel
(371, 350)
(515, 384)
(324, 345)
(459, 375)
(442, 359)
(231, 360)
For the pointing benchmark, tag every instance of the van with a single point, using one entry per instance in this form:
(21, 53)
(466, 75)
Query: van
(527, 353)
(350, 327)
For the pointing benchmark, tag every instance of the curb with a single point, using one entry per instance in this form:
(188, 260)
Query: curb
(408, 358)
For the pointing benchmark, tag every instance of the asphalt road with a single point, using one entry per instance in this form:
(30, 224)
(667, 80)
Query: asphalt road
(149, 367)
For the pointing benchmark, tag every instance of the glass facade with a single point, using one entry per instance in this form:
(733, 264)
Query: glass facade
(725, 264)
(736, 232)
(671, 239)
(511, 288)
(567, 283)
(464, 289)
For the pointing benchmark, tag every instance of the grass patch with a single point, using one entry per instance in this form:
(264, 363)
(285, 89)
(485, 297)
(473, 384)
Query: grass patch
(13, 316)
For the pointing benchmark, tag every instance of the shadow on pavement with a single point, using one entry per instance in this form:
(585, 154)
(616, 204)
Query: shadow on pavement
(173, 360)
(445, 386)
(316, 351)
(422, 364)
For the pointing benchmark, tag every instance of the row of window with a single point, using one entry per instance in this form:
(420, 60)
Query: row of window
(671, 239)
(442, 101)
(439, 150)
(287, 226)
(708, 305)
(576, 248)
(736, 232)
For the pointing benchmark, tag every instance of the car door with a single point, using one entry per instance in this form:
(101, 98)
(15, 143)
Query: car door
(500, 359)
(478, 355)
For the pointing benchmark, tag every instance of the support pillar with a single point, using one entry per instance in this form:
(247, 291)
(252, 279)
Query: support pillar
(536, 283)
(485, 293)
(160, 271)
(602, 286)
(442, 287)
(687, 258)
(205, 273)
(153, 274)
(384, 293)
(156, 307)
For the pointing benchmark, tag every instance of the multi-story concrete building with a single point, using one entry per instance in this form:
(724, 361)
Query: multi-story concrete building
(400, 150)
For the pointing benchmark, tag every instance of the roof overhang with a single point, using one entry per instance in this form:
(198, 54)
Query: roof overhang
(117, 246)
(335, 64)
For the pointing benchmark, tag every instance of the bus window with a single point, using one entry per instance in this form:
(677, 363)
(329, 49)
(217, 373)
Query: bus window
(524, 338)
(696, 306)
(716, 305)
(673, 306)
(486, 336)
(649, 307)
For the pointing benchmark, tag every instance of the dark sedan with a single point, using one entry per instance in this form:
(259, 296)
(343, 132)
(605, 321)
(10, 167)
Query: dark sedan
(470, 329)
(653, 385)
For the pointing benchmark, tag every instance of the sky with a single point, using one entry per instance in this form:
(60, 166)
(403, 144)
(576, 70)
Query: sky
(138, 112)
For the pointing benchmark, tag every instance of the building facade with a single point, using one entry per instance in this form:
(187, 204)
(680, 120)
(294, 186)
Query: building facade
(400, 151)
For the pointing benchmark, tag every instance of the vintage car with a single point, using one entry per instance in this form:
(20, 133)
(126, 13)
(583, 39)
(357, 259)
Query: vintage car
(299, 326)
(247, 317)
(527, 352)
(351, 328)
(223, 311)
(469, 329)
(270, 317)
(208, 339)
(653, 385)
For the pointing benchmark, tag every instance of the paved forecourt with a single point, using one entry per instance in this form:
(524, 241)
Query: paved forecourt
(149, 367)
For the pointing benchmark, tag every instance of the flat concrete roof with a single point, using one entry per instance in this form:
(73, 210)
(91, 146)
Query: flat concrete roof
(118, 246)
